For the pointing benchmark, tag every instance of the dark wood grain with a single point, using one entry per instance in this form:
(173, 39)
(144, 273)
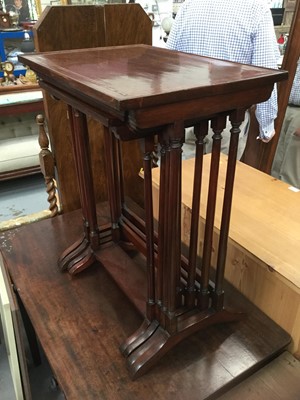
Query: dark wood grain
(82, 347)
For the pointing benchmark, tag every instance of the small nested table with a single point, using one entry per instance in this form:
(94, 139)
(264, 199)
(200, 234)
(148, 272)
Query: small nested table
(140, 92)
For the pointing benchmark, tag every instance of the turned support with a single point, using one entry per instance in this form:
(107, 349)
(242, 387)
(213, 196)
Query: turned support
(47, 165)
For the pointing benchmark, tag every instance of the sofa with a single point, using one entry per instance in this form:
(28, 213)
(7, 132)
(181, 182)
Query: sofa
(19, 147)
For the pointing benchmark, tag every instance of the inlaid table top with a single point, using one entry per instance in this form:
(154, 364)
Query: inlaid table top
(136, 77)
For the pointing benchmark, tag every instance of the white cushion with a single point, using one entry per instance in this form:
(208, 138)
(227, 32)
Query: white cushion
(21, 152)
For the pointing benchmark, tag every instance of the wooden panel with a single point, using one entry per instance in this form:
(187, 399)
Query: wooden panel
(125, 24)
(61, 145)
(262, 256)
(69, 27)
(95, 26)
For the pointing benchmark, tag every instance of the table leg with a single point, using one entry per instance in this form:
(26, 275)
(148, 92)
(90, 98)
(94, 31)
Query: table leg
(144, 345)
(80, 255)
(236, 119)
(201, 131)
(114, 180)
(178, 311)
(150, 252)
(218, 124)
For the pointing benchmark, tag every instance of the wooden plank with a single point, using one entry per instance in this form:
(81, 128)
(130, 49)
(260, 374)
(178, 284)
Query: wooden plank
(134, 285)
(82, 320)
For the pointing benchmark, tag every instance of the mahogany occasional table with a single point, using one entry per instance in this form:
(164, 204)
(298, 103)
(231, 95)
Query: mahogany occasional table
(139, 91)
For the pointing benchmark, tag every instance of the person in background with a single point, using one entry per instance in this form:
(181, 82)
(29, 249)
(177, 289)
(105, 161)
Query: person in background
(236, 30)
(23, 10)
(286, 164)
(20, 7)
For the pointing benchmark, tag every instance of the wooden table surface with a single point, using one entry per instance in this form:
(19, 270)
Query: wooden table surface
(143, 77)
(83, 346)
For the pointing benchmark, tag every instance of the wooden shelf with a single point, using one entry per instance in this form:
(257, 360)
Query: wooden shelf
(134, 285)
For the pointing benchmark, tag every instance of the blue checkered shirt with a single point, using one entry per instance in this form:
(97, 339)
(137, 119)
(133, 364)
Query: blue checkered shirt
(233, 30)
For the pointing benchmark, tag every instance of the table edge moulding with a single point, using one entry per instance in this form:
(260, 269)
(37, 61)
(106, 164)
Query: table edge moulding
(140, 91)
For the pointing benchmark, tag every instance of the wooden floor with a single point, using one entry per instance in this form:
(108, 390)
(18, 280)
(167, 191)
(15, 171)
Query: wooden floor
(82, 320)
